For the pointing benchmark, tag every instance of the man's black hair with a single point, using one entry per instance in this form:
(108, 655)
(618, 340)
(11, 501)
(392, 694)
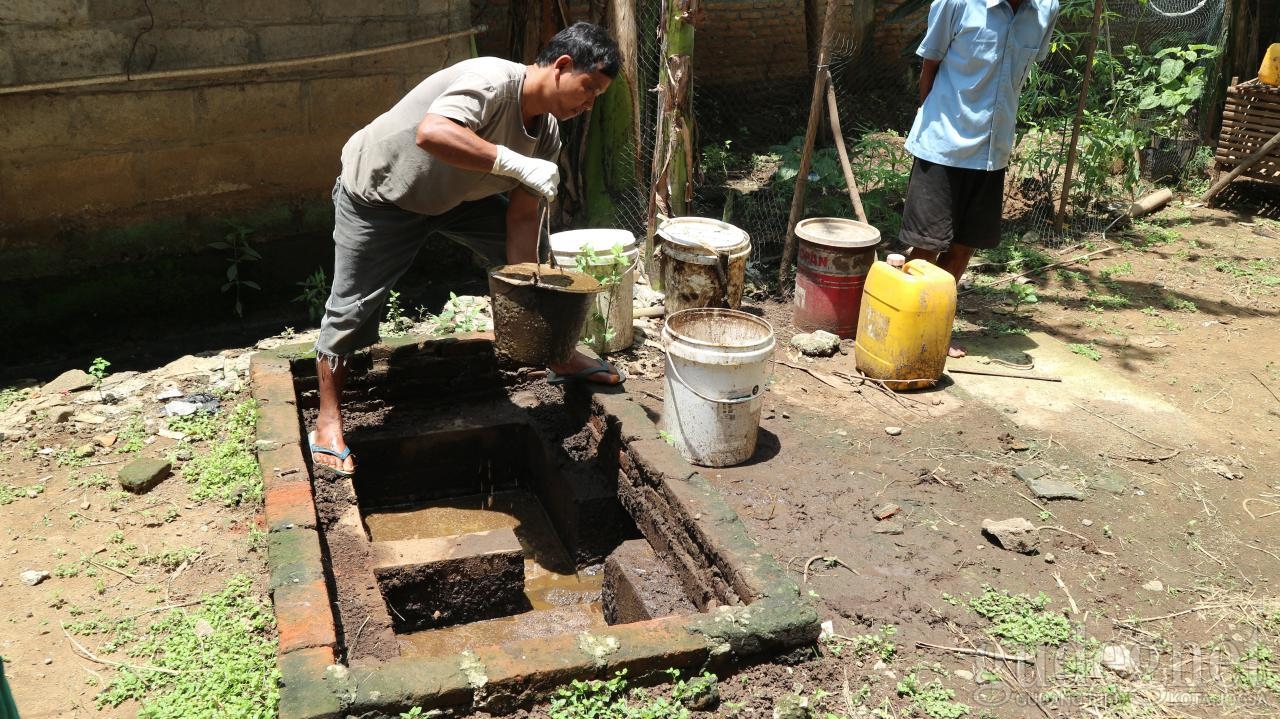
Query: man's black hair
(589, 46)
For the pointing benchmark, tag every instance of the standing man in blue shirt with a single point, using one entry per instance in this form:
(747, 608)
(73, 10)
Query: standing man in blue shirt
(977, 54)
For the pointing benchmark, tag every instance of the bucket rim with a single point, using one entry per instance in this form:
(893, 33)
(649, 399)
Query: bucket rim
(685, 314)
(522, 274)
(573, 246)
(718, 242)
(835, 231)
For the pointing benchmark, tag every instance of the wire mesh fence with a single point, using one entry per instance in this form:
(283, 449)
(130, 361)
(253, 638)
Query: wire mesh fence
(1142, 123)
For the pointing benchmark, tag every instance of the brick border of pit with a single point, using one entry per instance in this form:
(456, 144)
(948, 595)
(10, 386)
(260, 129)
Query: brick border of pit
(751, 610)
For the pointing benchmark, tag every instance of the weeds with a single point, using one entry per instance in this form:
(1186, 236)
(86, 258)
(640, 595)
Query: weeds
(397, 323)
(219, 661)
(1021, 619)
(229, 472)
(1085, 350)
(612, 699)
(932, 699)
(314, 294)
(609, 270)
(1178, 304)
(133, 436)
(10, 396)
(197, 425)
(98, 371)
(238, 252)
(460, 314)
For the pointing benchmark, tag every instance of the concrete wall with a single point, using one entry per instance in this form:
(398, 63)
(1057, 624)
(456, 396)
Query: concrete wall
(75, 161)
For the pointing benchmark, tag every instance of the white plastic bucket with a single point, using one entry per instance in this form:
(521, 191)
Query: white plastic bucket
(703, 263)
(613, 305)
(717, 366)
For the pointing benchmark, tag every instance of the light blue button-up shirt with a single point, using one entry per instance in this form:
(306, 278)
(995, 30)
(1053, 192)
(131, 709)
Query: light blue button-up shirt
(987, 51)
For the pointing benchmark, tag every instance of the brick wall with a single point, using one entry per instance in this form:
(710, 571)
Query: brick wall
(90, 156)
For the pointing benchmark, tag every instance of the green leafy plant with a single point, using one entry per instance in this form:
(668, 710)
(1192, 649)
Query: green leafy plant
(229, 471)
(216, 660)
(1021, 295)
(397, 323)
(609, 270)
(612, 699)
(98, 371)
(238, 251)
(1085, 351)
(197, 425)
(1021, 619)
(314, 294)
(460, 314)
(10, 396)
(132, 436)
(932, 699)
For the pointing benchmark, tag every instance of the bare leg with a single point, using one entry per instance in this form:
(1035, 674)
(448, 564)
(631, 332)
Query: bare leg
(954, 260)
(332, 377)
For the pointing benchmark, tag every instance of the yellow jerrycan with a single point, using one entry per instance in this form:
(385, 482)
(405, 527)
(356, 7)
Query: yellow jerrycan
(904, 325)
(1270, 70)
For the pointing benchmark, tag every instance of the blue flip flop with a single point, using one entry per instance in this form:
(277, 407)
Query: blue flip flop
(321, 449)
(580, 377)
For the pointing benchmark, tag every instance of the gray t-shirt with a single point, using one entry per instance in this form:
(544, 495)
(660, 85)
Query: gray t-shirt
(383, 164)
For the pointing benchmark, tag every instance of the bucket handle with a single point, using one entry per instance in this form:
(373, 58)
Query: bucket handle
(733, 400)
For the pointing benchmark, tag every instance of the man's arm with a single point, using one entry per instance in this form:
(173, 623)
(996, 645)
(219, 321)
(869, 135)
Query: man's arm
(461, 147)
(455, 144)
(523, 226)
(928, 71)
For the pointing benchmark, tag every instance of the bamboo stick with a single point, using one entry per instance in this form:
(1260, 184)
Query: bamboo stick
(806, 154)
(838, 132)
(1075, 127)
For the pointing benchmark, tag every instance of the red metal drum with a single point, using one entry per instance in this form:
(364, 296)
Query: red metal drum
(832, 262)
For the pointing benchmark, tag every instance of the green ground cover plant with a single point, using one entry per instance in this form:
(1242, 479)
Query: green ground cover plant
(215, 659)
(229, 472)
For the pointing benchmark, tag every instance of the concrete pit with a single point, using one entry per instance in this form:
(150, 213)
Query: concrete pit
(499, 538)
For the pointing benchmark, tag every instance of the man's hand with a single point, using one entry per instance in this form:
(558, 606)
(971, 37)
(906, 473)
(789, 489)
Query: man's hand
(538, 175)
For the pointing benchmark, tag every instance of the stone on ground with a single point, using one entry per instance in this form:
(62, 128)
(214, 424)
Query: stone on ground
(73, 380)
(1016, 534)
(817, 344)
(141, 475)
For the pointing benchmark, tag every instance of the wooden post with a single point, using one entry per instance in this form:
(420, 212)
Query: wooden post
(1075, 128)
(669, 191)
(806, 154)
(838, 132)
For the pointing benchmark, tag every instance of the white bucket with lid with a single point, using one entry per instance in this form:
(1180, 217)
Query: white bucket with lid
(716, 373)
(703, 263)
(612, 307)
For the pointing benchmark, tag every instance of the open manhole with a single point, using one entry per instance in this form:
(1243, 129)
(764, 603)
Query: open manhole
(499, 538)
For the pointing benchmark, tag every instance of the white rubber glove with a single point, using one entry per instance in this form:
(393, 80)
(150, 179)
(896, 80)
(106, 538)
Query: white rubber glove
(538, 175)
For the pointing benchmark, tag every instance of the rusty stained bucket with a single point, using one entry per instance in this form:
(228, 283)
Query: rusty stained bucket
(832, 262)
(703, 263)
(538, 312)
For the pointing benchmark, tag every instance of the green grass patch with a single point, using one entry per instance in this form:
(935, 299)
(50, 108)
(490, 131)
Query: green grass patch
(221, 653)
(197, 425)
(932, 699)
(614, 699)
(1016, 256)
(1178, 304)
(229, 471)
(1020, 618)
(1148, 233)
(10, 396)
(1099, 302)
(132, 437)
(1085, 351)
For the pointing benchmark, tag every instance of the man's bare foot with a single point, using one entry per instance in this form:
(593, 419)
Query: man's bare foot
(330, 450)
(581, 367)
(955, 351)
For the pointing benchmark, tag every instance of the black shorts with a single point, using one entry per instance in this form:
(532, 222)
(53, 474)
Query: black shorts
(952, 204)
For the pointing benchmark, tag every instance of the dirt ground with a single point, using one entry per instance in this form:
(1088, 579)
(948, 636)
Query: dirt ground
(1164, 424)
